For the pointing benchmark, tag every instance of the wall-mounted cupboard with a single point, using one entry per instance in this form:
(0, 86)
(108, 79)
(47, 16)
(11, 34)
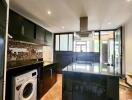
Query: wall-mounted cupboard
(43, 35)
(25, 30)
(21, 28)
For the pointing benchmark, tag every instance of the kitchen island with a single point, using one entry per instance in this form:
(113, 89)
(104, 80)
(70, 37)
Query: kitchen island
(90, 81)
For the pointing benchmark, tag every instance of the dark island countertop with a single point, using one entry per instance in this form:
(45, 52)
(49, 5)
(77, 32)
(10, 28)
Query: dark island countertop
(91, 68)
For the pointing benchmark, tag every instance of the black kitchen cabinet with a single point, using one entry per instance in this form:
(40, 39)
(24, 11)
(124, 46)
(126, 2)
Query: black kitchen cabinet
(40, 34)
(28, 29)
(43, 36)
(21, 28)
(48, 38)
(87, 86)
(48, 79)
(15, 23)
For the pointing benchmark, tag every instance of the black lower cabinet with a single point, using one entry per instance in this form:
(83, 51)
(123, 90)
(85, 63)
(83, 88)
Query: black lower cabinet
(78, 86)
(19, 70)
(48, 79)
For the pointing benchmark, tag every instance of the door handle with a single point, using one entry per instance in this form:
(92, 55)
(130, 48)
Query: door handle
(51, 73)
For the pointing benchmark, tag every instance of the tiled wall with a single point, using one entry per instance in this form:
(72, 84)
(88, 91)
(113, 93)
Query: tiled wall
(18, 50)
(48, 53)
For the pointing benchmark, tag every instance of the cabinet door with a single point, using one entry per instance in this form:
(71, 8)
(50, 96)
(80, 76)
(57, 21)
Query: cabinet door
(40, 34)
(46, 80)
(54, 75)
(21, 28)
(15, 23)
(29, 28)
(48, 38)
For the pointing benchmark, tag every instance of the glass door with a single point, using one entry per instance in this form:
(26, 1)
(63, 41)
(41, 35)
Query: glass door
(118, 46)
(107, 50)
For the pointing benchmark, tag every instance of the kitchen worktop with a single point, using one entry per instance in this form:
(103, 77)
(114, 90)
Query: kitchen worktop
(18, 64)
(46, 63)
(91, 68)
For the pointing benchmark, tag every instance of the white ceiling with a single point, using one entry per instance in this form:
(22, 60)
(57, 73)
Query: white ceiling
(68, 12)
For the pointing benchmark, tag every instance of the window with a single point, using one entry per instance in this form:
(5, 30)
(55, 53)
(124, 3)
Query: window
(96, 41)
(64, 42)
(70, 42)
(80, 46)
(87, 44)
(57, 43)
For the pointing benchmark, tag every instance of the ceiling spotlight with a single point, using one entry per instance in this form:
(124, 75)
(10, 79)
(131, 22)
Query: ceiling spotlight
(63, 27)
(49, 12)
(109, 23)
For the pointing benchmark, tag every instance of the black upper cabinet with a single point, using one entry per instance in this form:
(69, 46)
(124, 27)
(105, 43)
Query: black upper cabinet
(43, 36)
(40, 33)
(48, 38)
(28, 29)
(15, 23)
(21, 28)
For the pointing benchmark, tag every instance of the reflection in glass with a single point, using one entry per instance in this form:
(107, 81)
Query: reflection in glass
(64, 42)
(57, 43)
(70, 42)
(107, 48)
(87, 44)
(118, 51)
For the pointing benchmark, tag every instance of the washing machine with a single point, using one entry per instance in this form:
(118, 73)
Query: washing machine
(25, 86)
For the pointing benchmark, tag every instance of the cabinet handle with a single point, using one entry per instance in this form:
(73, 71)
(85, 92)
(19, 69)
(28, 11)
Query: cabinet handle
(22, 30)
(51, 73)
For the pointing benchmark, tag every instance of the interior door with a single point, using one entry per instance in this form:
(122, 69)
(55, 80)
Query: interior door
(3, 10)
(118, 52)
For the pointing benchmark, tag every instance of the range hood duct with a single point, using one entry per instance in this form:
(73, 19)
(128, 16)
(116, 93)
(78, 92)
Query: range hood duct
(84, 27)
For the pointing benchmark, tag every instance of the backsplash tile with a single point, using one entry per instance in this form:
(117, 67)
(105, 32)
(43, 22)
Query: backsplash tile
(18, 50)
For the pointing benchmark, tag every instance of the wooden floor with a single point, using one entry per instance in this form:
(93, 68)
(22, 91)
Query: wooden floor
(55, 93)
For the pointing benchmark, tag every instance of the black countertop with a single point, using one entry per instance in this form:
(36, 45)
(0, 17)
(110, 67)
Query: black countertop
(18, 64)
(91, 68)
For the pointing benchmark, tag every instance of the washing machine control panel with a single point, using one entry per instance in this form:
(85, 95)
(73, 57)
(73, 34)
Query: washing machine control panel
(34, 74)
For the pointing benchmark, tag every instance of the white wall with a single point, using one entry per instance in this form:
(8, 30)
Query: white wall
(128, 45)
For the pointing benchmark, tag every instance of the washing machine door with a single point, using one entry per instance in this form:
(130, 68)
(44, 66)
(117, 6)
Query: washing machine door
(28, 90)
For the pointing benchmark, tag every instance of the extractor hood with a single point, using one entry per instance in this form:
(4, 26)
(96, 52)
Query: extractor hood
(83, 27)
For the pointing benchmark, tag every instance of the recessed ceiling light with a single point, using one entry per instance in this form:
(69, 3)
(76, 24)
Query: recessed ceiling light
(49, 12)
(63, 27)
(109, 23)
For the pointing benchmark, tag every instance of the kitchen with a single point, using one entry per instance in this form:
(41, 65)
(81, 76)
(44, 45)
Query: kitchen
(82, 54)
